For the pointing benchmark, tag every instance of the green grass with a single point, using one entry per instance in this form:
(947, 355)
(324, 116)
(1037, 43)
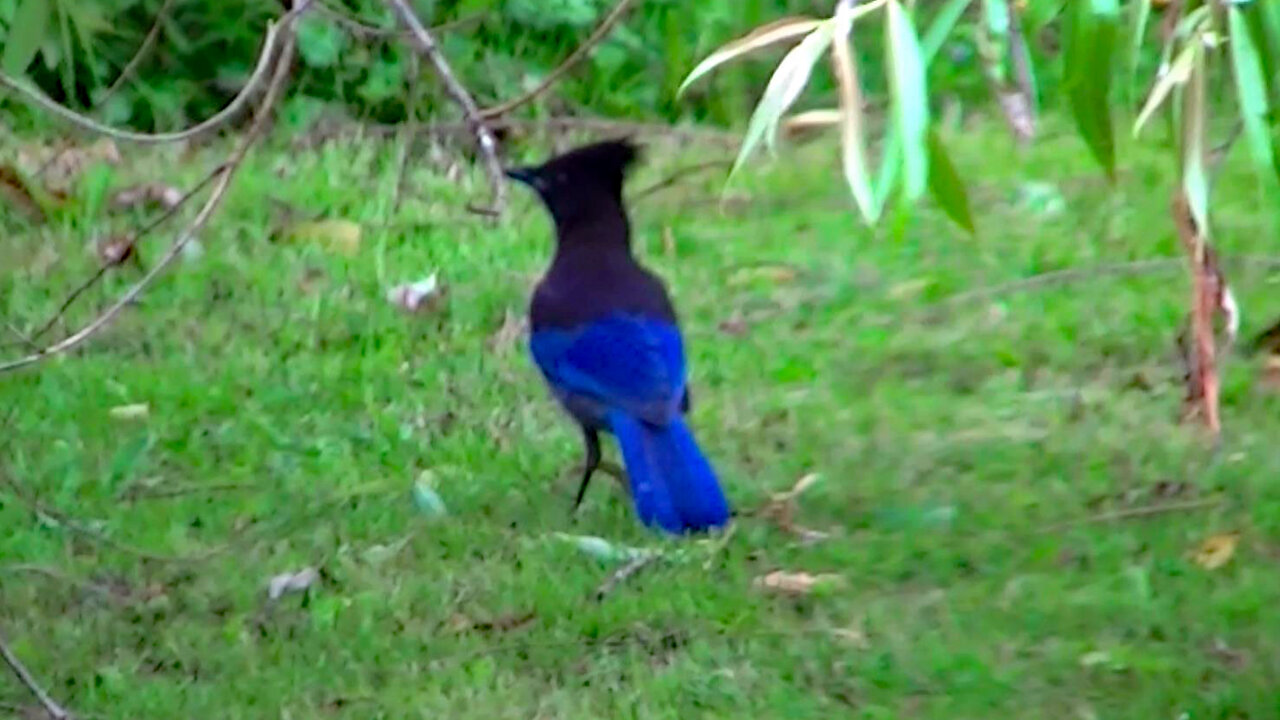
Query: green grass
(958, 453)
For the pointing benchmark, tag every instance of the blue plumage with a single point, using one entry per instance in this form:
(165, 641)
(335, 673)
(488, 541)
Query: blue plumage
(607, 341)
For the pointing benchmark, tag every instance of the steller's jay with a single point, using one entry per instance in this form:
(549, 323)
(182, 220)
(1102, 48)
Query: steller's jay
(604, 335)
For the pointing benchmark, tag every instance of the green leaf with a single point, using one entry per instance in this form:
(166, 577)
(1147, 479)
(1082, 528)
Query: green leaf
(1138, 35)
(853, 149)
(788, 80)
(1177, 74)
(1251, 89)
(946, 185)
(1088, 64)
(25, 36)
(890, 161)
(943, 23)
(1195, 179)
(761, 37)
(910, 98)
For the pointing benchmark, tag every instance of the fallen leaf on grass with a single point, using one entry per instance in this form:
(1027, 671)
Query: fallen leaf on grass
(1216, 550)
(425, 497)
(855, 635)
(781, 509)
(601, 549)
(137, 411)
(292, 582)
(338, 235)
(736, 325)
(116, 250)
(797, 583)
(424, 295)
(166, 196)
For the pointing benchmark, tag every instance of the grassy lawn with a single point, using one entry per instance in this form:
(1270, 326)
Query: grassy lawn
(970, 455)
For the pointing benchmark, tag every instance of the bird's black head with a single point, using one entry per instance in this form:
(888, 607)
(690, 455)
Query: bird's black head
(583, 183)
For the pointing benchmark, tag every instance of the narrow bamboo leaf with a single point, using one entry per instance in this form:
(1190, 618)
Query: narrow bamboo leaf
(853, 146)
(1039, 13)
(25, 36)
(763, 36)
(1088, 59)
(996, 14)
(910, 98)
(1269, 20)
(1137, 38)
(1029, 85)
(1177, 74)
(788, 80)
(890, 162)
(1195, 180)
(946, 185)
(943, 23)
(1251, 90)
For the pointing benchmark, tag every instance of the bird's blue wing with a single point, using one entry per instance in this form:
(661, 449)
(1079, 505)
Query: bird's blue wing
(624, 362)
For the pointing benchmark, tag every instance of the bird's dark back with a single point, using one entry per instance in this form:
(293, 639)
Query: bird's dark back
(590, 282)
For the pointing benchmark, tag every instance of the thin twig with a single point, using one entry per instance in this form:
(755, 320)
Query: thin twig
(56, 711)
(601, 31)
(408, 133)
(678, 175)
(366, 31)
(1131, 513)
(260, 71)
(274, 90)
(426, 45)
(102, 269)
(60, 576)
(619, 576)
(147, 43)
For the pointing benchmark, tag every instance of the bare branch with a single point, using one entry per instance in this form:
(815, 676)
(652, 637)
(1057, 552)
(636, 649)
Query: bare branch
(133, 240)
(220, 118)
(274, 90)
(601, 31)
(426, 45)
(366, 31)
(56, 711)
(147, 43)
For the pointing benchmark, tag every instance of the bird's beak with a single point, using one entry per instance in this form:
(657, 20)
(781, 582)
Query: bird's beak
(520, 174)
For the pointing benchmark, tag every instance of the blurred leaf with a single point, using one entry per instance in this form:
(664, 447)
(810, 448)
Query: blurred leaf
(1177, 74)
(763, 36)
(943, 23)
(425, 497)
(890, 161)
(21, 196)
(25, 36)
(946, 185)
(1251, 89)
(320, 42)
(1088, 65)
(788, 80)
(137, 411)
(1137, 38)
(1216, 550)
(426, 294)
(602, 549)
(797, 583)
(910, 98)
(339, 235)
(853, 145)
(1195, 128)
(291, 582)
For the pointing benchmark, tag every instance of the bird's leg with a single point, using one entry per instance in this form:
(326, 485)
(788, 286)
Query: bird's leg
(592, 438)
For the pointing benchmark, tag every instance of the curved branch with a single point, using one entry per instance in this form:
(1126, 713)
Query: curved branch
(237, 103)
(601, 31)
(147, 43)
(366, 31)
(426, 46)
(274, 89)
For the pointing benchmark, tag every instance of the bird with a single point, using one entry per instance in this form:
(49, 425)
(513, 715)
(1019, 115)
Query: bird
(606, 338)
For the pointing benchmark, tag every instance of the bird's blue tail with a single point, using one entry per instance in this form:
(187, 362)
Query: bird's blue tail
(672, 484)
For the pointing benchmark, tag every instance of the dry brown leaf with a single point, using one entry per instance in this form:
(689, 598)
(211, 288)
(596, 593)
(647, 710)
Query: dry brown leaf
(116, 250)
(166, 196)
(796, 583)
(1216, 550)
(18, 195)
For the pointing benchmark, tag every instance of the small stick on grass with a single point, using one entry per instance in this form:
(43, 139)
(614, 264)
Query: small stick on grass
(1131, 513)
(622, 574)
(56, 711)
